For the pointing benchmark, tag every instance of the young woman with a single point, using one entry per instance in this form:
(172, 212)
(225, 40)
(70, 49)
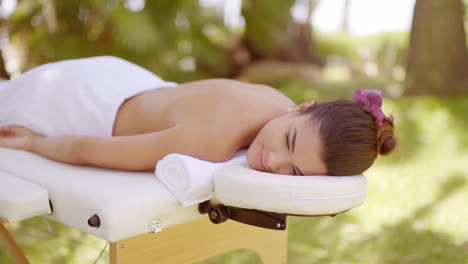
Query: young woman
(107, 112)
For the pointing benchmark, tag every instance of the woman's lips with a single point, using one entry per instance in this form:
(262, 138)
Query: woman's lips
(260, 159)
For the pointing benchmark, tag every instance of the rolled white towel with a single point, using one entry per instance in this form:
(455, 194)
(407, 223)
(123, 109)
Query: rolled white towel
(190, 179)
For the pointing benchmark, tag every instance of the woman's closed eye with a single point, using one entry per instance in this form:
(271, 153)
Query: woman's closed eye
(293, 172)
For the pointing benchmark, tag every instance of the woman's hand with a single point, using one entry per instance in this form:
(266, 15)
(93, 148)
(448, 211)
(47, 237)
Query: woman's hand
(17, 137)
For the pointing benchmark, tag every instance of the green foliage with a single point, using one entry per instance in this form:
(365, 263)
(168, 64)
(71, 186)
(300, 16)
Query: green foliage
(159, 37)
(337, 44)
(347, 46)
(386, 50)
(179, 40)
(265, 32)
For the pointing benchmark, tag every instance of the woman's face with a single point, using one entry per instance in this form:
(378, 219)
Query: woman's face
(289, 144)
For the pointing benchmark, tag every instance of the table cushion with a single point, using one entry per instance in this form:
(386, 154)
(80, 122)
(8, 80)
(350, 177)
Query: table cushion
(20, 199)
(125, 202)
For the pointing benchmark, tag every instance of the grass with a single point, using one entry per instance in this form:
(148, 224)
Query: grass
(415, 211)
(359, 49)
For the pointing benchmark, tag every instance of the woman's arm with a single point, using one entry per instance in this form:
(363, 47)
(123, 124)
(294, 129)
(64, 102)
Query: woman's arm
(135, 153)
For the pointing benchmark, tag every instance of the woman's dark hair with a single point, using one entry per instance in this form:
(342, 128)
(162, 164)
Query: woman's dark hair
(350, 138)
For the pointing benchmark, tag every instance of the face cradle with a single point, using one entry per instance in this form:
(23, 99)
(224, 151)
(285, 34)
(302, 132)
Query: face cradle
(289, 144)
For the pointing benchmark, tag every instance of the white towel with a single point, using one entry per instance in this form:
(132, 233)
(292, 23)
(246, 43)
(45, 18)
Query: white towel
(74, 97)
(190, 179)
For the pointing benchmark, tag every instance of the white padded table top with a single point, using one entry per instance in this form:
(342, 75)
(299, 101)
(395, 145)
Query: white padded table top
(126, 202)
(20, 199)
(243, 187)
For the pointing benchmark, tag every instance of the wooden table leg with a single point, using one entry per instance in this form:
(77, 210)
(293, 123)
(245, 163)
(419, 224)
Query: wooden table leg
(11, 246)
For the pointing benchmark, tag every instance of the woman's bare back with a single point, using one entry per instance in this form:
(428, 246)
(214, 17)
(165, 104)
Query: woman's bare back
(209, 120)
(222, 112)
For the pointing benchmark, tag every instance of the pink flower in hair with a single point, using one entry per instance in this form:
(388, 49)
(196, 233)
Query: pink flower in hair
(371, 100)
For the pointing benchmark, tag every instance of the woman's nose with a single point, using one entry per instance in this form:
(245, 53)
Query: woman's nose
(277, 161)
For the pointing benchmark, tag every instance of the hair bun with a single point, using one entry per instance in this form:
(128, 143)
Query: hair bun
(386, 139)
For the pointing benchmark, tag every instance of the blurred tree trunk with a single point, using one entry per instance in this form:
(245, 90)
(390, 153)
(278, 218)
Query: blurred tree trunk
(272, 34)
(3, 73)
(48, 9)
(266, 22)
(438, 57)
(345, 22)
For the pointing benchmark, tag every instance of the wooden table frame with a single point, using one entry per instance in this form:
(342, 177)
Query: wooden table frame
(186, 243)
(10, 244)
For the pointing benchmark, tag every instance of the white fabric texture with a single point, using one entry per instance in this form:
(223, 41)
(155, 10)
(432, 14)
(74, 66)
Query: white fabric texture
(79, 97)
(304, 195)
(190, 179)
(126, 202)
(20, 199)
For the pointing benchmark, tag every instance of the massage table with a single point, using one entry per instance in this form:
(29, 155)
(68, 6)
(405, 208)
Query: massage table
(143, 221)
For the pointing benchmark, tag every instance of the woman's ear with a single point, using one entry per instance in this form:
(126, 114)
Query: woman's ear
(304, 106)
